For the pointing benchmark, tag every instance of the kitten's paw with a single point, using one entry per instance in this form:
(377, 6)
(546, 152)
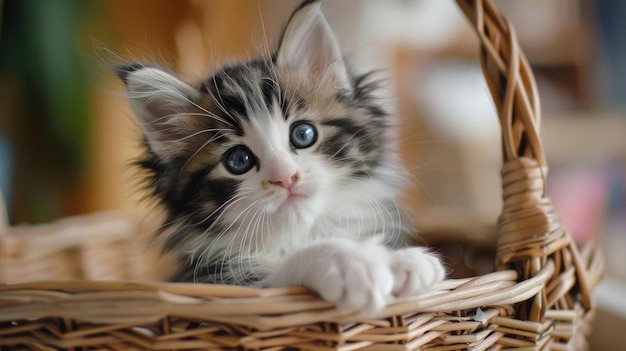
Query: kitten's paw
(353, 275)
(363, 276)
(415, 270)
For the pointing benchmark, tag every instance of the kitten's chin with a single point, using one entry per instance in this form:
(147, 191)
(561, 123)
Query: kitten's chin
(295, 205)
(292, 201)
(292, 204)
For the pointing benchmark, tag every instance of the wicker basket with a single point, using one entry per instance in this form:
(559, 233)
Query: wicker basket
(539, 299)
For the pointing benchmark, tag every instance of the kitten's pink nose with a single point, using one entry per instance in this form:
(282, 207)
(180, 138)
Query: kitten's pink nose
(286, 182)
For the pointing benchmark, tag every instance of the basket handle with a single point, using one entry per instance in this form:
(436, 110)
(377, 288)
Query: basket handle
(529, 231)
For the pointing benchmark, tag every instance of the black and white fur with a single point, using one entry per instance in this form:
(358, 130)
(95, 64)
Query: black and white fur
(312, 198)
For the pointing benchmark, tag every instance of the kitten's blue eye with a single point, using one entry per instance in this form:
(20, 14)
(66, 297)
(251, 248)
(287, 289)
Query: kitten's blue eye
(303, 135)
(239, 160)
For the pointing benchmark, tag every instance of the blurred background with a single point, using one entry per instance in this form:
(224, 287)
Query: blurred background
(67, 135)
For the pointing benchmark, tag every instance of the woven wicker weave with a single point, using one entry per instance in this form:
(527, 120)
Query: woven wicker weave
(538, 300)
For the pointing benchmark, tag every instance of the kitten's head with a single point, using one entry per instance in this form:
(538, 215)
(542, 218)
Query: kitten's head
(276, 139)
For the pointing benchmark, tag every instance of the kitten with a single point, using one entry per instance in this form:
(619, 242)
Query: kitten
(281, 171)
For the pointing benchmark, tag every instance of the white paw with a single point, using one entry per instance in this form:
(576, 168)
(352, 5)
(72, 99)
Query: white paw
(362, 276)
(353, 275)
(415, 270)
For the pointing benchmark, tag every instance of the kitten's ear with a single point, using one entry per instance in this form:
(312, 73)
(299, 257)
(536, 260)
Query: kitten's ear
(308, 43)
(160, 101)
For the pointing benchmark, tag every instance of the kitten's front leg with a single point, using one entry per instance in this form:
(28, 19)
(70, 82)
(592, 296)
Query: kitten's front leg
(363, 276)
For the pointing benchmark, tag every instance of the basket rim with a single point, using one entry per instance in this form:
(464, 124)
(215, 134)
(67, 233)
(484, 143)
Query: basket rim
(108, 301)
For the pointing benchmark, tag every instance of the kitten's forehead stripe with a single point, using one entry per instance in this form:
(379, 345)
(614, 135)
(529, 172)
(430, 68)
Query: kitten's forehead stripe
(272, 92)
(247, 90)
(228, 98)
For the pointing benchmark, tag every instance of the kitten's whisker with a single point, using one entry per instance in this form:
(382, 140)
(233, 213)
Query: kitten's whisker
(268, 231)
(224, 208)
(256, 230)
(237, 222)
(210, 248)
(246, 242)
(250, 226)
(204, 238)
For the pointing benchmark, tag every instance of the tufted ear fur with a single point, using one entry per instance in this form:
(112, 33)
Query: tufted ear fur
(162, 103)
(309, 44)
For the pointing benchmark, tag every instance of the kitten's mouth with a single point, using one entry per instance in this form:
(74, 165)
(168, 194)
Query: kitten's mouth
(292, 199)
